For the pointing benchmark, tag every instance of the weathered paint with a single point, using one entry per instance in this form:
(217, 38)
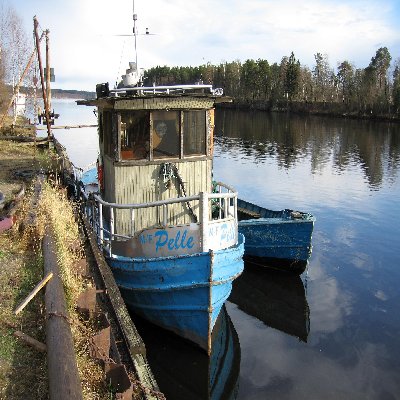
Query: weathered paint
(277, 236)
(173, 260)
(177, 240)
(142, 184)
(183, 294)
(148, 102)
(160, 103)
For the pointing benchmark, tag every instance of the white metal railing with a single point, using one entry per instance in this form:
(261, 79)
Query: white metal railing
(167, 89)
(216, 207)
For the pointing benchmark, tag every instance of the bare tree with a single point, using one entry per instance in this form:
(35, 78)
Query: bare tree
(15, 52)
(14, 43)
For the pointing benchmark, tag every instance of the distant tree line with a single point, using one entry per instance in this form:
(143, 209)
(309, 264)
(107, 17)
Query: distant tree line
(372, 91)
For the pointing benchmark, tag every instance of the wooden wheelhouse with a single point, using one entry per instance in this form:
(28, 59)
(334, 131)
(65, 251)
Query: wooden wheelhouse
(155, 145)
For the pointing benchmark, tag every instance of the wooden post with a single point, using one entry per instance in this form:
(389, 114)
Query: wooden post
(64, 382)
(48, 89)
(46, 105)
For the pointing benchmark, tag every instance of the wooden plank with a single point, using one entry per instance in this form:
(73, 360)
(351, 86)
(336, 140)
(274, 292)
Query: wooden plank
(31, 341)
(33, 293)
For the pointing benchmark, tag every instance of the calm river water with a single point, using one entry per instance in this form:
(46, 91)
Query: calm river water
(334, 332)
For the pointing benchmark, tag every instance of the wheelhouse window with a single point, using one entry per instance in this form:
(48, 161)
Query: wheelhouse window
(194, 133)
(165, 134)
(135, 143)
(153, 135)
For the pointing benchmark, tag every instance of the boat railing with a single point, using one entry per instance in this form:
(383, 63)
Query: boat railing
(170, 89)
(214, 208)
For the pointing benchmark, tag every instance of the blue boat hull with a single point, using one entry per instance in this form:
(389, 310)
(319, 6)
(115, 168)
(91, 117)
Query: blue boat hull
(183, 371)
(183, 294)
(276, 239)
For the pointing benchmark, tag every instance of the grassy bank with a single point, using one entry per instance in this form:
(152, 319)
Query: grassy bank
(19, 129)
(23, 369)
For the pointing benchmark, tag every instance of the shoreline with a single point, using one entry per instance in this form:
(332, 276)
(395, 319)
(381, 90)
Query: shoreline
(329, 110)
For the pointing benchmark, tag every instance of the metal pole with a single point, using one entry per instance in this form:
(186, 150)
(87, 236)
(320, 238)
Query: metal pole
(36, 23)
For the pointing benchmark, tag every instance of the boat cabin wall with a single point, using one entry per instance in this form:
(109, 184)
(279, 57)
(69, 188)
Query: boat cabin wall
(152, 182)
(151, 155)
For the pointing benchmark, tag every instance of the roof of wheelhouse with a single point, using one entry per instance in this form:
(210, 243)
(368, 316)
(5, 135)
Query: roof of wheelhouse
(157, 97)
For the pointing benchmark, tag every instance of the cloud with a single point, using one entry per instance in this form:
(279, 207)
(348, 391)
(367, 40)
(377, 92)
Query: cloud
(191, 33)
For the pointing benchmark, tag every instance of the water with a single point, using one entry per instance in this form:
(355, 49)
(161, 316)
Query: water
(334, 332)
(80, 143)
(346, 174)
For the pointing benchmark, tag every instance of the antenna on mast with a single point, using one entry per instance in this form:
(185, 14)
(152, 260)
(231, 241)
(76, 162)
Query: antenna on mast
(133, 76)
(134, 29)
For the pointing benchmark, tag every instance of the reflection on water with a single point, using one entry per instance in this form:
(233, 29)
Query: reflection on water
(345, 172)
(184, 371)
(275, 298)
(257, 136)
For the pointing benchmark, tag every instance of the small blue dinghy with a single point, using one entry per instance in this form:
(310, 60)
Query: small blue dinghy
(276, 239)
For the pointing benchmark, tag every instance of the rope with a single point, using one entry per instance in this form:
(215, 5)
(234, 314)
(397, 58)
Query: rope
(169, 171)
(60, 315)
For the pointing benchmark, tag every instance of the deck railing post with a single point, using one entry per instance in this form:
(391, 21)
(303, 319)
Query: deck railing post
(92, 211)
(165, 214)
(204, 221)
(220, 202)
(111, 230)
(226, 205)
(132, 221)
(101, 224)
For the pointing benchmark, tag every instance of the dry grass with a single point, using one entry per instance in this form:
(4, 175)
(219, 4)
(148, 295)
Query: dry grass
(18, 162)
(20, 128)
(58, 211)
(23, 370)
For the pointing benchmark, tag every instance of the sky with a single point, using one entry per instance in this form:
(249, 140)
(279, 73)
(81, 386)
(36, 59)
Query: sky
(86, 50)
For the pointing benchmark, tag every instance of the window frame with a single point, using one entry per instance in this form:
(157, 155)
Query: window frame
(117, 131)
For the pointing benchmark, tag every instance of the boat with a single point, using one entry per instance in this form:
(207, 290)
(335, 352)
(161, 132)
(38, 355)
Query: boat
(276, 239)
(275, 298)
(185, 372)
(150, 205)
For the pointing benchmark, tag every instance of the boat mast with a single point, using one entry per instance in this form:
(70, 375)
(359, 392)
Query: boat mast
(135, 32)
